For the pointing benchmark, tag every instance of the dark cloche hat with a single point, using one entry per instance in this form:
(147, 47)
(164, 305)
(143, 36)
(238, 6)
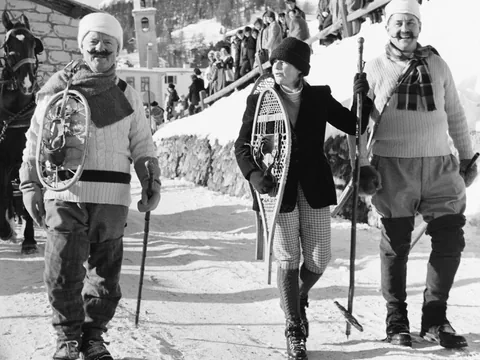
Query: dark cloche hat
(295, 52)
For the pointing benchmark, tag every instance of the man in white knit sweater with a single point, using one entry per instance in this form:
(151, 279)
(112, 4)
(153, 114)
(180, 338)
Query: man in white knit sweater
(85, 223)
(417, 111)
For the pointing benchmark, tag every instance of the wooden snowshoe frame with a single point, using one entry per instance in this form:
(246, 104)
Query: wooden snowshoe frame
(271, 146)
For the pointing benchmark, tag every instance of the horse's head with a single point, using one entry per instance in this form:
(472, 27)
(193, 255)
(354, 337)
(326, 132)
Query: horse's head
(21, 49)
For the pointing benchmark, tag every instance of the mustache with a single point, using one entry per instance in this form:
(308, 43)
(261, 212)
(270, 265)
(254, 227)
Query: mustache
(100, 53)
(405, 34)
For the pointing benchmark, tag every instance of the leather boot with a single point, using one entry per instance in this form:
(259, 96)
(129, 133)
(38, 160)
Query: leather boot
(394, 251)
(287, 283)
(447, 245)
(296, 341)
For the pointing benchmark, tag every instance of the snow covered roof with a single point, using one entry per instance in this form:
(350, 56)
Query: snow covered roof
(71, 8)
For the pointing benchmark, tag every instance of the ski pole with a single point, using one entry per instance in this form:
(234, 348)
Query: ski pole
(424, 228)
(350, 319)
(149, 166)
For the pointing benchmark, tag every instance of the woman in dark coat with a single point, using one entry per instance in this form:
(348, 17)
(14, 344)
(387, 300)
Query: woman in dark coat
(303, 225)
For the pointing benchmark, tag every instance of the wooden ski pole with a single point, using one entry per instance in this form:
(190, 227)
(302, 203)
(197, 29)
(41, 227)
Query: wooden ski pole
(149, 166)
(350, 319)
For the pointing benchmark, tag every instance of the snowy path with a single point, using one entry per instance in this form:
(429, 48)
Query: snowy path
(205, 297)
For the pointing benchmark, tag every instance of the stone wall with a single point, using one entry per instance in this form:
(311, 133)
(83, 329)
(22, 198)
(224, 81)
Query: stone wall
(57, 32)
(214, 166)
(202, 163)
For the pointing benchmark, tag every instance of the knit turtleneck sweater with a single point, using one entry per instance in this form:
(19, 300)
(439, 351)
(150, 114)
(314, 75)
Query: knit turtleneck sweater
(110, 148)
(292, 101)
(421, 133)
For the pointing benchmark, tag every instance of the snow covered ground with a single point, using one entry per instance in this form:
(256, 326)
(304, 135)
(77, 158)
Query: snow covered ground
(206, 297)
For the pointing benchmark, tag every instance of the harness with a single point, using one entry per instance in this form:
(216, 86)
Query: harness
(8, 81)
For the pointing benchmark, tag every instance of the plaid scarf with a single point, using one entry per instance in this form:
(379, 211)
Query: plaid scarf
(106, 100)
(418, 83)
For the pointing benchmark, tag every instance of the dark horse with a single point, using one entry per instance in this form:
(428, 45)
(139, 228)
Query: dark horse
(17, 103)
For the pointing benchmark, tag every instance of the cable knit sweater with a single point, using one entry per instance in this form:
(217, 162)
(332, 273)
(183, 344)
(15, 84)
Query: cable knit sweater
(421, 133)
(111, 148)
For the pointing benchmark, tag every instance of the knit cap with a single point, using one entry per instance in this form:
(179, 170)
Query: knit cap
(402, 7)
(295, 52)
(100, 22)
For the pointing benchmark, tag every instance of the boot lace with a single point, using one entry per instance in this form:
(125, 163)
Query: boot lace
(296, 339)
(67, 350)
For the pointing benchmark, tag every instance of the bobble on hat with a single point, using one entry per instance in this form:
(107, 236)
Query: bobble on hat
(295, 52)
(100, 22)
(402, 7)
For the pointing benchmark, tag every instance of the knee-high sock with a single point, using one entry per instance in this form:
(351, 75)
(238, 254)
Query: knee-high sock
(307, 280)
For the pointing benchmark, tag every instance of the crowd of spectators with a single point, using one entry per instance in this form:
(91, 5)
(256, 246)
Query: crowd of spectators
(229, 63)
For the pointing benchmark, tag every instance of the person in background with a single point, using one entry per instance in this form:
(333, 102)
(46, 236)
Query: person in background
(283, 24)
(171, 100)
(415, 96)
(273, 32)
(227, 62)
(260, 26)
(292, 5)
(208, 75)
(85, 224)
(194, 89)
(303, 229)
(298, 26)
(236, 49)
(248, 52)
(325, 19)
(255, 36)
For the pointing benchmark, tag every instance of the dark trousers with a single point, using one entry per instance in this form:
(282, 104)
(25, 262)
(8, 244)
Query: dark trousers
(83, 258)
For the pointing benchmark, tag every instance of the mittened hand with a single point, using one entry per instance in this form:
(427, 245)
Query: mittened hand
(469, 174)
(370, 180)
(360, 84)
(263, 183)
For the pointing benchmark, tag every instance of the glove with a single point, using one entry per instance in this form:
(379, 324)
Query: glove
(33, 202)
(360, 84)
(370, 180)
(146, 167)
(263, 183)
(469, 174)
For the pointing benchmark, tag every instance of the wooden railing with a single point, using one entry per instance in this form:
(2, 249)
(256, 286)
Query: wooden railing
(205, 101)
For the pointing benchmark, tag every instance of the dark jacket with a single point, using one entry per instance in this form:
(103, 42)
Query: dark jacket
(194, 89)
(308, 164)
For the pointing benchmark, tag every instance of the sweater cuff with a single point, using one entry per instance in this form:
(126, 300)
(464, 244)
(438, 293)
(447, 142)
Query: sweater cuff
(28, 175)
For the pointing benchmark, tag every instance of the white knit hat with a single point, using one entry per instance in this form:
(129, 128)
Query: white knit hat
(402, 7)
(100, 22)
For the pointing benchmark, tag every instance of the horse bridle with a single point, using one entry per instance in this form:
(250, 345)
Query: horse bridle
(11, 67)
